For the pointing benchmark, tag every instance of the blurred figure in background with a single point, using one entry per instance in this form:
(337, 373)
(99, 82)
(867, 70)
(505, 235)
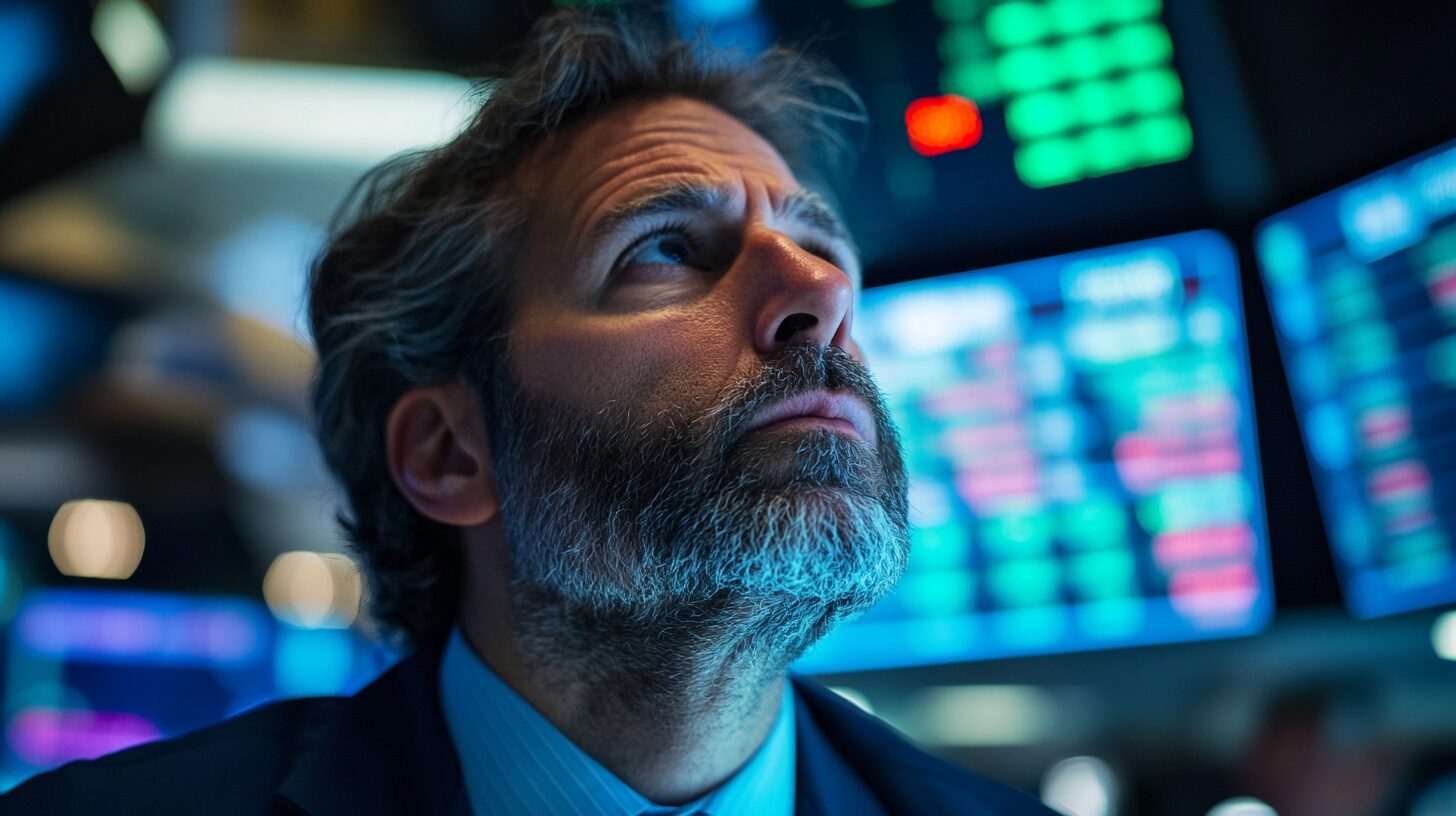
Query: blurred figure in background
(1315, 755)
(614, 462)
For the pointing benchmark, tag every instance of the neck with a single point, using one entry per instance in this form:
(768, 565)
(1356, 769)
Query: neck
(672, 706)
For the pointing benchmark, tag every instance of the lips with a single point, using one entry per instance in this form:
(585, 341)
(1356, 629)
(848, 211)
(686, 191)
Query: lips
(836, 410)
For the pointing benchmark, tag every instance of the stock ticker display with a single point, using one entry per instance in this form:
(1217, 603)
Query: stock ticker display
(1362, 285)
(91, 671)
(1084, 473)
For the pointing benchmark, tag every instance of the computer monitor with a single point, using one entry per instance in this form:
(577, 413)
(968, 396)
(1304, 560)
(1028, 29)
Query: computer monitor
(91, 671)
(1362, 286)
(1080, 440)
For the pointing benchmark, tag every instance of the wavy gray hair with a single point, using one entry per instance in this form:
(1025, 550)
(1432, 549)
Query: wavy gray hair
(415, 288)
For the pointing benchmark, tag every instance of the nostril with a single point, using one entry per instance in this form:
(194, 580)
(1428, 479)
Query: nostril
(793, 324)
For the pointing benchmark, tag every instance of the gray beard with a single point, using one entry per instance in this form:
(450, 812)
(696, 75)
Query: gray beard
(651, 554)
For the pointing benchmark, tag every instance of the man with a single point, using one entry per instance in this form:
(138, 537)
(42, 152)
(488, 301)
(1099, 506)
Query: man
(614, 462)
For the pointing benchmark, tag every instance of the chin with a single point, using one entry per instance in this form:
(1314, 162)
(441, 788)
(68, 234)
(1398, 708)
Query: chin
(811, 462)
(832, 545)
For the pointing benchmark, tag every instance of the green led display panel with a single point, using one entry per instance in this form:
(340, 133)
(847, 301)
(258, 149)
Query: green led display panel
(1088, 85)
(966, 51)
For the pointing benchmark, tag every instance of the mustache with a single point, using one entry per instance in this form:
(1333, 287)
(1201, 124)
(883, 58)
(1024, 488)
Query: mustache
(798, 369)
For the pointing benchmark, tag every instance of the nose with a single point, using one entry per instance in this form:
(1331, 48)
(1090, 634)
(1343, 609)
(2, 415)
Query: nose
(803, 298)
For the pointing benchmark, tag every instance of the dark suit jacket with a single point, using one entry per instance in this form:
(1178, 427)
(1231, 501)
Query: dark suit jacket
(386, 750)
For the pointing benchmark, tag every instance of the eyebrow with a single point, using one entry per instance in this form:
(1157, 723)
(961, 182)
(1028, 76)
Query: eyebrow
(804, 206)
(810, 208)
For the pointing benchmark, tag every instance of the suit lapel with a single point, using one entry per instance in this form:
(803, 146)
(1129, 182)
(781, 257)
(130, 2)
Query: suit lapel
(387, 752)
(892, 771)
(824, 783)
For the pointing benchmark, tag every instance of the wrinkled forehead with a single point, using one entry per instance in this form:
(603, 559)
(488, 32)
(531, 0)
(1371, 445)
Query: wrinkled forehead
(615, 154)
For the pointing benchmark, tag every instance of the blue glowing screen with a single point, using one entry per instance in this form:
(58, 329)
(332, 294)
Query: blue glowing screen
(29, 53)
(92, 671)
(1084, 471)
(1362, 286)
(47, 338)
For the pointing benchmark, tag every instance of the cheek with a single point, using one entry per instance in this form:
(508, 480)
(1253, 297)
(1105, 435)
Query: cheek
(642, 362)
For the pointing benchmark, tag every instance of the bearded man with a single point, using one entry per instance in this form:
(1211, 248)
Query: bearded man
(614, 462)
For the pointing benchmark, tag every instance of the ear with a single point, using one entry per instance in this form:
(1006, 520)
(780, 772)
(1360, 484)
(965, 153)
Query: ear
(439, 456)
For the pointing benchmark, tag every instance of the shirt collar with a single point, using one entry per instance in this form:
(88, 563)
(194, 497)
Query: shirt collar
(515, 761)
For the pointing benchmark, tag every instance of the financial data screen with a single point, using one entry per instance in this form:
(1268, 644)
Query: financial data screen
(1362, 285)
(1080, 440)
(91, 671)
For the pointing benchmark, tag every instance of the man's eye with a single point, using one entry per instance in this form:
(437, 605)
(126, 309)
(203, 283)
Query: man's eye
(667, 249)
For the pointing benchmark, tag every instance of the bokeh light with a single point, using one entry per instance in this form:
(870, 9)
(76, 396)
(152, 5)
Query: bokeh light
(91, 538)
(986, 715)
(133, 42)
(1242, 806)
(313, 590)
(1443, 636)
(942, 124)
(1081, 786)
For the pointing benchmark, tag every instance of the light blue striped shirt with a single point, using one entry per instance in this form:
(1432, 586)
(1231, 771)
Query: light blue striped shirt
(516, 763)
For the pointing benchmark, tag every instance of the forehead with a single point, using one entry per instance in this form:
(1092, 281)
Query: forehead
(641, 144)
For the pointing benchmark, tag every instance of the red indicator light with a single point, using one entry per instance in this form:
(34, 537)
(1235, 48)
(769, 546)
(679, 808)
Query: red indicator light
(940, 124)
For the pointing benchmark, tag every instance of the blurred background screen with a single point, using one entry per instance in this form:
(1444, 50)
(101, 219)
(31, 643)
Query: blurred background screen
(1199, 384)
(1362, 281)
(102, 670)
(1079, 432)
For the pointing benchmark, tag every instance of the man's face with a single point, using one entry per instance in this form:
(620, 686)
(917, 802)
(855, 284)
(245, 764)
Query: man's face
(604, 313)
(688, 420)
